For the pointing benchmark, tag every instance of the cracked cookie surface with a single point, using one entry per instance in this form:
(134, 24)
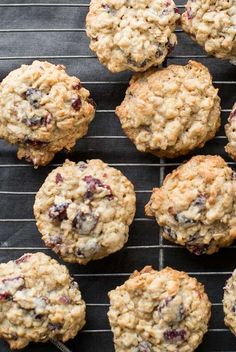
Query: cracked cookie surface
(229, 303)
(212, 24)
(171, 111)
(38, 301)
(132, 34)
(159, 311)
(84, 210)
(196, 205)
(43, 110)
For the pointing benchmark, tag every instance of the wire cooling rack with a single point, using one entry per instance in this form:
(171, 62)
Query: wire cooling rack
(55, 31)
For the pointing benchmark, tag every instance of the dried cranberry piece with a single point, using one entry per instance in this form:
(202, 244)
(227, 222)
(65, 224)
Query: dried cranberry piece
(77, 86)
(232, 115)
(64, 300)
(164, 303)
(36, 143)
(35, 121)
(59, 212)
(5, 296)
(59, 178)
(54, 241)
(23, 259)
(200, 201)
(85, 222)
(76, 104)
(183, 220)
(53, 327)
(175, 335)
(34, 96)
(144, 346)
(171, 233)
(92, 102)
(93, 184)
(38, 316)
(189, 14)
(198, 249)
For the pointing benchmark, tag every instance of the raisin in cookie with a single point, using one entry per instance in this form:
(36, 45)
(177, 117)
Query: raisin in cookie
(230, 130)
(159, 311)
(43, 110)
(171, 111)
(84, 210)
(197, 205)
(39, 301)
(229, 303)
(132, 34)
(212, 24)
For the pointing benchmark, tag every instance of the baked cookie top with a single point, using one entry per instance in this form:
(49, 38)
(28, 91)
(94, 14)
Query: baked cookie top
(212, 24)
(84, 210)
(197, 205)
(38, 301)
(43, 110)
(171, 111)
(230, 130)
(155, 311)
(132, 34)
(229, 303)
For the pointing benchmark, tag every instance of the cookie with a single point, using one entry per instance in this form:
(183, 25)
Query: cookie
(43, 110)
(84, 210)
(171, 111)
(132, 34)
(211, 23)
(229, 303)
(196, 205)
(159, 311)
(39, 301)
(230, 130)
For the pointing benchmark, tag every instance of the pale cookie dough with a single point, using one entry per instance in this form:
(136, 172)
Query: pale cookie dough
(84, 210)
(229, 303)
(212, 23)
(230, 130)
(171, 111)
(132, 34)
(43, 110)
(197, 205)
(159, 311)
(38, 301)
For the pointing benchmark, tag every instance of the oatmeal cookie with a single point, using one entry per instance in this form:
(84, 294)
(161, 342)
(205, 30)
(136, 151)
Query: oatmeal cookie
(43, 110)
(171, 111)
(211, 23)
(230, 130)
(159, 311)
(38, 301)
(229, 303)
(132, 34)
(84, 210)
(197, 205)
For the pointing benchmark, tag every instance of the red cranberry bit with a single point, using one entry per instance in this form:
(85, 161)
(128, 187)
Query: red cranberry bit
(200, 201)
(85, 222)
(175, 335)
(34, 96)
(35, 143)
(35, 121)
(23, 259)
(5, 296)
(53, 327)
(59, 178)
(48, 119)
(176, 10)
(64, 300)
(54, 241)
(189, 14)
(59, 212)
(232, 116)
(144, 346)
(93, 184)
(92, 102)
(164, 303)
(76, 104)
(199, 249)
(77, 86)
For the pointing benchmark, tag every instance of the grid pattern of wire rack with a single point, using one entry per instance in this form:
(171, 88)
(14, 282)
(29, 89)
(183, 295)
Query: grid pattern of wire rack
(55, 31)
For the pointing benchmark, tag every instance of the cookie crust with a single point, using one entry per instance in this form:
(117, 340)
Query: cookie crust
(132, 34)
(211, 23)
(230, 130)
(171, 111)
(38, 301)
(229, 303)
(196, 206)
(43, 110)
(84, 210)
(155, 311)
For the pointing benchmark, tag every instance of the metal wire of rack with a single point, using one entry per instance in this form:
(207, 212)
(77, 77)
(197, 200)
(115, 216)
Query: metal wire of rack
(55, 31)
